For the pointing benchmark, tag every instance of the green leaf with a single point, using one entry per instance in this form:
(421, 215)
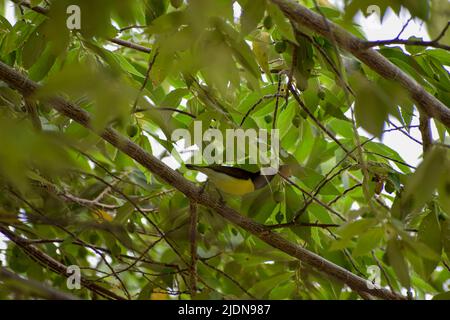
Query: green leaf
(444, 188)
(166, 23)
(355, 228)
(5, 26)
(302, 232)
(173, 99)
(161, 68)
(18, 260)
(398, 262)
(262, 288)
(241, 51)
(430, 234)
(305, 62)
(261, 51)
(350, 230)
(124, 213)
(421, 185)
(126, 65)
(252, 13)
(293, 202)
(146, 292)
(261, 207)
(441, 55)
(418, 8)
(368, 7)
(281, 22)
(445, 237)
(32, 49)
(442, 296)
(16, 37)
(371, 106)
(368, 241)
(415, 49)
(43, 65)
(154, 9)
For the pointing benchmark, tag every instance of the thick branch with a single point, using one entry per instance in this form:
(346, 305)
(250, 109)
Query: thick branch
(28, 87)
(31, 286)
(193, 240)
(304, 17)
(52, 264)
(425, 131)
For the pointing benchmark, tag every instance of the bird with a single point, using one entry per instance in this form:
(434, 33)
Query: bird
(236, 181)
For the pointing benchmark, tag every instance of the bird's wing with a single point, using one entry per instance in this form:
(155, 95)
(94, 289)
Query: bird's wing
(262, 180)
(234, 172)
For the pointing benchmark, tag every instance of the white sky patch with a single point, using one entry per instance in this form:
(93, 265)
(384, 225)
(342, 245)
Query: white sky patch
(236, 12)
(2, 249)
(446, 285)
(92, 259)
(9, 12)
(391, 26)
(428, 296)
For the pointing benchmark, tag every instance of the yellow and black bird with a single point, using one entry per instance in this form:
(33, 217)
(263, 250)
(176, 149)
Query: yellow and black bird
(236, 181)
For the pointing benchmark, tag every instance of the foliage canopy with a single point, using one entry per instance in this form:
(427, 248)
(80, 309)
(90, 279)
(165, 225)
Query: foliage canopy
(146, 68)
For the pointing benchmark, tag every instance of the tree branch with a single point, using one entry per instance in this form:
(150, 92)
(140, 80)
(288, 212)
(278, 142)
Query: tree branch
(52, 264)
(407, 42)
(425, 131)
(175, 179)
(32, 111)
(29, 286)
(193, 239)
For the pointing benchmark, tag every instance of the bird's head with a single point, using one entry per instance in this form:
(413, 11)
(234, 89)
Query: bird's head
(285, 170)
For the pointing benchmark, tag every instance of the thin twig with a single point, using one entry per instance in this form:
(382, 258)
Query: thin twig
(404, 27)
(32, 111)
(384, 271)
(193, 240)
(318, 123)
(54, 265)
(277, 101)
(253, 107)
(405, 133)
(229, 278)
(132, 27)
(302, 224)
(166, 109)
(433, 43)
(391, 159)
(151, 62)
(344, 193)
(313, 197)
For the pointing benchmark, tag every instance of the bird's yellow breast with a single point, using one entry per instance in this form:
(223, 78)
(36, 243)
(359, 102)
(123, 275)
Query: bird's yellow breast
(230, 184)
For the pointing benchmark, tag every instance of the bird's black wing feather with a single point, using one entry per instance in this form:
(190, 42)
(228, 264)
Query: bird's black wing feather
(237, 173)
(258, 180)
